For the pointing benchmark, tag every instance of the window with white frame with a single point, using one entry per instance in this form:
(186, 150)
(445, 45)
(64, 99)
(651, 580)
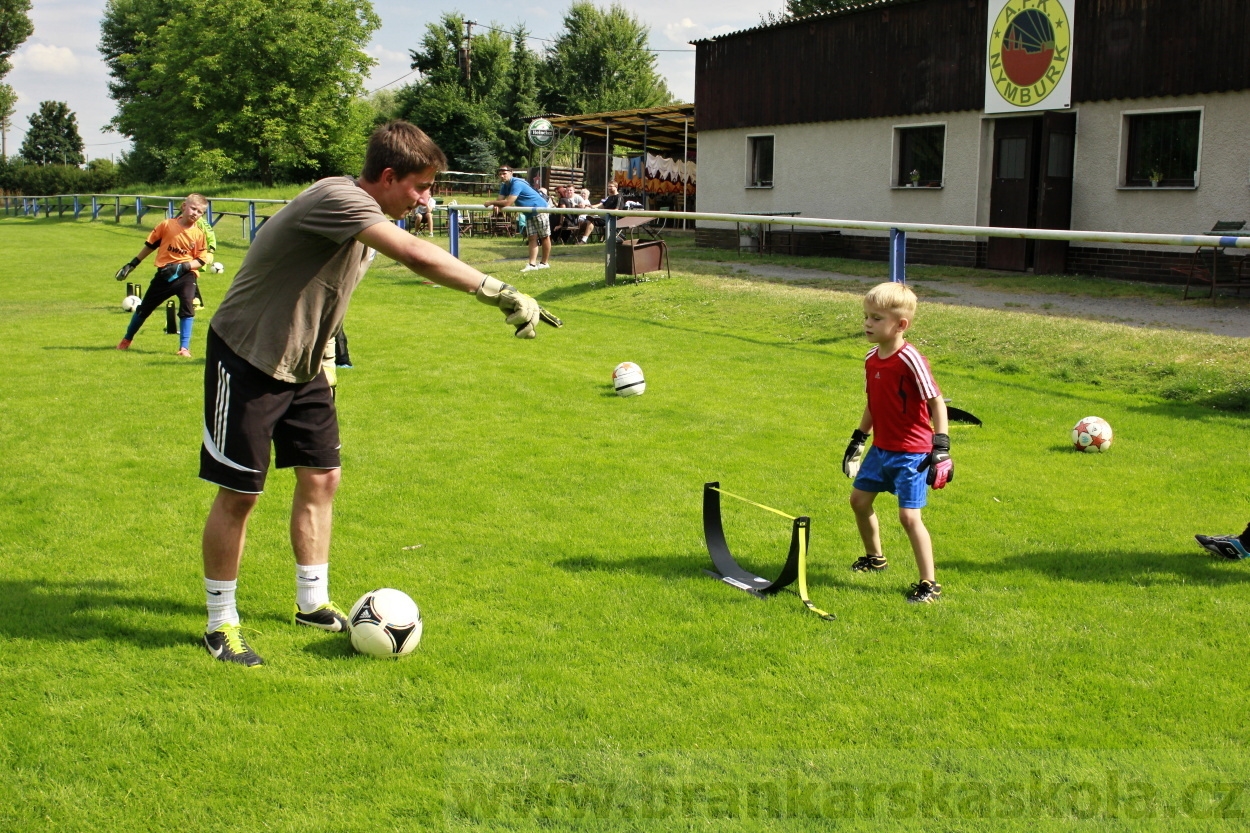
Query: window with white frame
(1162, 148)
(921, 155)
(759, 161)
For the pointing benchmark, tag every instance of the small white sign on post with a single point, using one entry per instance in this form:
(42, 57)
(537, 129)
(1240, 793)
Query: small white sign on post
(1029, 56)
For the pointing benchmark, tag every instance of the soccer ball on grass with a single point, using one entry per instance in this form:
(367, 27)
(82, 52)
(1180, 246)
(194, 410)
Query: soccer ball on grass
(1092, 434)
(385, 623)
(218, 267)
(628, 380)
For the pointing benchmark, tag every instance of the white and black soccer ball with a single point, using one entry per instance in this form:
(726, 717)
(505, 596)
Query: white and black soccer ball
(385, 623)
(628, 379)
(1092, 434)
(131, 303)
(218, 267)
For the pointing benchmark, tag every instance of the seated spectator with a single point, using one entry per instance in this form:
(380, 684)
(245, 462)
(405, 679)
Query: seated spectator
(566, 224)
(423, 217)
(581, 199)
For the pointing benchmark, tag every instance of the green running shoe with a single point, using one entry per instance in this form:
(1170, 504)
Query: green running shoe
(327, 617)
(227, 644)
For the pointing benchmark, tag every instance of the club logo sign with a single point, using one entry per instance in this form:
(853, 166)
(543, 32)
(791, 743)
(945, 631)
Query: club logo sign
(1029, 55)
(541, 133)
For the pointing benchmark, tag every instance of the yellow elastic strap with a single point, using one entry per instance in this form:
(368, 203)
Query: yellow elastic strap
(753, 503)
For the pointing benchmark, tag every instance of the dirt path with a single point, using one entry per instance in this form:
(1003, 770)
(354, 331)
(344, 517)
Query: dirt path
(1227, 318)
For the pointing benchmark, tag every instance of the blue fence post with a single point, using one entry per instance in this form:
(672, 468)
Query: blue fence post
(95, 208)
(77, 206)
(898, 256)
(453, 232)
(138, 210)
(609, 249)
(169, 210)
(251, 221)
(208, 214)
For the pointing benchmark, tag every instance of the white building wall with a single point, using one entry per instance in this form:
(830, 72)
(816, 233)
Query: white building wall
(1099, 202)
(844, 170)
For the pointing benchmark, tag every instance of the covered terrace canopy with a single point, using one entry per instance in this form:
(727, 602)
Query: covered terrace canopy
(667, 130)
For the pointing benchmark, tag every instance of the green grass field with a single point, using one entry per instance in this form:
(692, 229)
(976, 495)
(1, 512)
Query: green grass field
(1084, 669)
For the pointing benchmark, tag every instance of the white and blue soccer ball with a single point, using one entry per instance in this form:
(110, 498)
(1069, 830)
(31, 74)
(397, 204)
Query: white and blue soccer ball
(131, 303)
(628, 380)
(385, 623)
(218, 267)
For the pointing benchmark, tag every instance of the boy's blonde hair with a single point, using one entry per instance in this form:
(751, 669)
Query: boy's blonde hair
(196, 199)
(896, 298)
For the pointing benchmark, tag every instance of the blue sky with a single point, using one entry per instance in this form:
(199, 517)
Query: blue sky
(60, 61)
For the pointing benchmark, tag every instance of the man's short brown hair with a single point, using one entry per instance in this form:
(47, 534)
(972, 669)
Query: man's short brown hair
(197, 199)
(402, 147)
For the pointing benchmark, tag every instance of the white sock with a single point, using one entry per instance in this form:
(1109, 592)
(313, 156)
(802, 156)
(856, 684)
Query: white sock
(312, 586)
(219, 598)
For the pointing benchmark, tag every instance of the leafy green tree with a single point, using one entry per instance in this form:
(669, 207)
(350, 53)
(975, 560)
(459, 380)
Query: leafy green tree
(601, 62)
(15, 28)
(463, 113)
(243, 88)
(53, 138)
(520, 101)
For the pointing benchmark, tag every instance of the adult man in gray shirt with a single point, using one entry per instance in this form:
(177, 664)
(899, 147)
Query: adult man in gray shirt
(263, 379)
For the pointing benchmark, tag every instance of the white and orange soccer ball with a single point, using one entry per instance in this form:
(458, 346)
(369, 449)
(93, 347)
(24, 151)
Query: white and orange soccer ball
(1092, 434)
(628, 380)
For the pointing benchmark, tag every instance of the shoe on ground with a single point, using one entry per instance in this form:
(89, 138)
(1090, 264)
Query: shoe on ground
(227, 644)
(343, 366)
(184, 352)
(925, 592)
(530, 267)
(124, 344)
(870, 564)
(327, 617)
(1223, 546)
(542, 266)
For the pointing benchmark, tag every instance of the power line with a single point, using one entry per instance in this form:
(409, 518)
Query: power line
(388, 83)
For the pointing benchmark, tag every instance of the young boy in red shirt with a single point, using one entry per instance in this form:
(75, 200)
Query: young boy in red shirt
(181, 250)
(907, 453)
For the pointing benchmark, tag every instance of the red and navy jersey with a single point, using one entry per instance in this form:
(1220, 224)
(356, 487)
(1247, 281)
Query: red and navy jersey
(899, 390)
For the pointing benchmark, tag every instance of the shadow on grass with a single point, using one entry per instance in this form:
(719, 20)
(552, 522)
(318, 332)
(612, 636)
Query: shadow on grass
(84, 611)
(1114, 567)
(696, 565)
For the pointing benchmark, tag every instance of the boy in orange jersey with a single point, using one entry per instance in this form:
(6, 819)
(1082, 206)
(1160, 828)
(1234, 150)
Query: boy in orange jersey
(908, 452)
(181, 249)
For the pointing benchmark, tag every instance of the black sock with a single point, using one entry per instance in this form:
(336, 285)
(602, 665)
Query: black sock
(1244, 537)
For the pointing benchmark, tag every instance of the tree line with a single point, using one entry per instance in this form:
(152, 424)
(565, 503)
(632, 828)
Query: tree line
(212, 90)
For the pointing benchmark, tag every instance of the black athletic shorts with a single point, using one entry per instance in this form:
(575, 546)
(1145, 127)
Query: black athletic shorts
(161, 290)
(245, 409)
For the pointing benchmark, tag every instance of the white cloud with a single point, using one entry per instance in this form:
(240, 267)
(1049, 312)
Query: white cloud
(45, 58)
(684, 31)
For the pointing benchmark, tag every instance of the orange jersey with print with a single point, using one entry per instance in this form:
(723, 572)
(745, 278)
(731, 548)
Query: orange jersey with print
(175, 244)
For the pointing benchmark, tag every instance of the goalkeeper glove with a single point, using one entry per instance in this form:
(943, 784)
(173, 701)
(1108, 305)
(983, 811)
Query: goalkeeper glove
(521, 310)
(127, 269)
(854, 452)
(939, 463)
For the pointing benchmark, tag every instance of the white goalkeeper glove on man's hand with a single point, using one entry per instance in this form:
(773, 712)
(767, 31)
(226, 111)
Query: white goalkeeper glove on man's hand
(854, 453)
(521, 310)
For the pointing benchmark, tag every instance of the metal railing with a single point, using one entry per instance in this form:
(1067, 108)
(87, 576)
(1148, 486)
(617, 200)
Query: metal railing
(898, 231)
(31, 206)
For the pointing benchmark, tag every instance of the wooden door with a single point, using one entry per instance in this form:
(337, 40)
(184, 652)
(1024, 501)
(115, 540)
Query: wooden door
(1013, 192)
(1054, 198)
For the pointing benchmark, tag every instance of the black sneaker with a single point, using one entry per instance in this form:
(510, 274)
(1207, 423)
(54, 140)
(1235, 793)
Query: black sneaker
(1223, 546)
(925, 592)
(870, 564)
(227, 644)
(327, 617)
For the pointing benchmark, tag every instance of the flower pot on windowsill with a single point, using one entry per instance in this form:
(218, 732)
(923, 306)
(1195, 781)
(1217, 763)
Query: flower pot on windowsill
(1154, 183)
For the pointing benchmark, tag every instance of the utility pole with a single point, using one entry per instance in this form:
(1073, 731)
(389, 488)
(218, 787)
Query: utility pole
(468, 52)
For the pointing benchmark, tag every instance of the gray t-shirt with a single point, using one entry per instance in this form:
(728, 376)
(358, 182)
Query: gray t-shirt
(290, 295)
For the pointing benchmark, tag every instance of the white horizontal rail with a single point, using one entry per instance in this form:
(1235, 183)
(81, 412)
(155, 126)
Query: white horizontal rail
(1230, 241)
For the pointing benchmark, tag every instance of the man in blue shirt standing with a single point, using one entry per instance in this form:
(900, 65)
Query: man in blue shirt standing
(516, 191)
